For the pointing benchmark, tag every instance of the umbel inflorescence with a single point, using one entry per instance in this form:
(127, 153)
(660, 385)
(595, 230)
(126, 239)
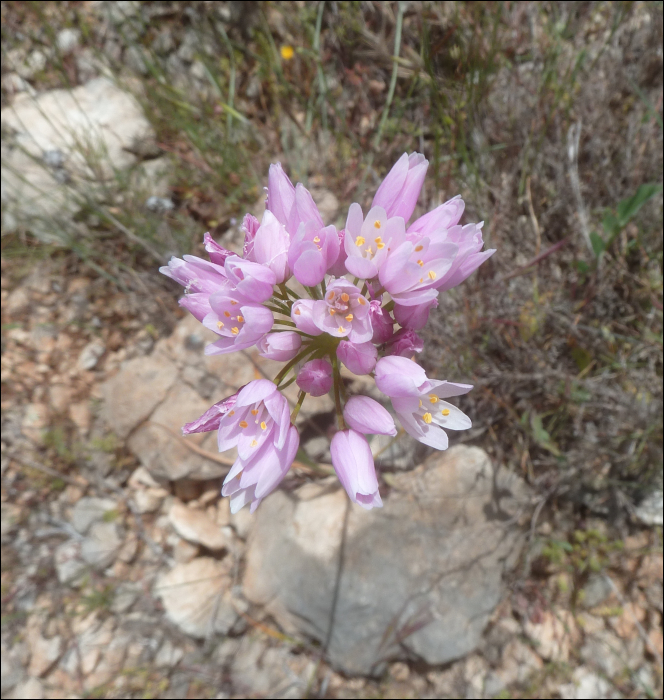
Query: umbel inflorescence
(368, 289)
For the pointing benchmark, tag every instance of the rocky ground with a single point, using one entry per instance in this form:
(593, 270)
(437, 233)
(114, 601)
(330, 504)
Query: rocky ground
(494, 570)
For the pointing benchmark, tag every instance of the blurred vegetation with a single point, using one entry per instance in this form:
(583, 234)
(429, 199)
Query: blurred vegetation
(545, 116)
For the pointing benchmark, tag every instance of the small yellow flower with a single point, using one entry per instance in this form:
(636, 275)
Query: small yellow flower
(287, 52)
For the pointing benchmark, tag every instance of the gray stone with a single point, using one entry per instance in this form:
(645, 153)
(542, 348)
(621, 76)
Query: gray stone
(101, 545)
(92, 125)
(420, 577)
(67, 39)
(197, 596)
(69, 566)
(585, 686)
(651, 510)
(158, 445)
(90, 510)
(152, 177)
(90, 355)
(596, 591)
(132, 394)
(195, 526)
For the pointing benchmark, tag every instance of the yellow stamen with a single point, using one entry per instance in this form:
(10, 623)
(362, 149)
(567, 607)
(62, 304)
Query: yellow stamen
(378, 239)
(235, 330)
(361, 301)
(254, 411)
(297, 312)
(432, 275)
(263, 425)
(287, 52)
(344, 297)
(349, 317)
(231, 413)
(341, 329)
(244, 424)
(359, 241)
(233, 303)
(420, 403)
(254, 443)
(240, 319)
(418, 248)
(316, 240)
(421, 280)
(446, 411)
(427, 418)
(420, 262)
(227, 314)
(380, 246)
(330, 294)
(220, 325)
(368, 250)
(433, 398)
(377, 224)
(332, 312)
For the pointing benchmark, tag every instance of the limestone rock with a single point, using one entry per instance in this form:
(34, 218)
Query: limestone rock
(101, 545)
(138, 388)
(195, 526)
(163, 454)
(197, 596)
(69, 566)
(91, 127)
(554, 635)
(420, 577)
(90, 510)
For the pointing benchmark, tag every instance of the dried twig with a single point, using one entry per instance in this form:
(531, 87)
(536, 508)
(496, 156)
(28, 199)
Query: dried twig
(573, 136)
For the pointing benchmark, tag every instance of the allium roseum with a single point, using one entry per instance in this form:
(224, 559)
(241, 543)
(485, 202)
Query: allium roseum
(368, 288)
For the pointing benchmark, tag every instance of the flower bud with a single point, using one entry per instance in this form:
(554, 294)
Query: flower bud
(367, 416)
(404, 343)
(360, 358)
(212, 417)
(301, 316)
(315, 377)
(250, 225)
(414, 317)
(353, 462)
(381, 322)
(282, 346)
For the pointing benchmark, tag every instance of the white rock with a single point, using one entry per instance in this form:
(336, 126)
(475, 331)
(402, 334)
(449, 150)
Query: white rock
(43, 652)
(197, 596)
(67, 40)
(586, 686)
(31, 689)
(101, 546)
(651, 509)
(149, 500)
(195, 526)
(69, 566)
(89, 510)
(168, 655)
(90, 355)
(554, 635)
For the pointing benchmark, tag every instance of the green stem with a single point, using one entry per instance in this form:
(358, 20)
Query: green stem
(313, 292)
(285, 323)
(337, 395)
(288, 291)
(389, 306)
(323, 287)
(300, 400)
(302, 354)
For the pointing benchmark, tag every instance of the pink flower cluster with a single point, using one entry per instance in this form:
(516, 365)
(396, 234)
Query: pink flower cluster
(363, 294)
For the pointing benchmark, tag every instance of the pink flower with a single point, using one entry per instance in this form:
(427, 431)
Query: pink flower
(315, 377)
(404, 343)
(304, 209)
(368, 241)
(353, 462)
(239, 322)
(338, 269)
(360, 358)
(425, 416)
(413, 271)
(414, 317)
(440, 219)
(280, 193)
(259, 426)
(312, 251)
(216, 253)
(301, 313)
(381, 322)
(250, 225)
(282, 346)
(399, 191)
(367, 416)
(399, 376)
(470, 255)
(344, 313)
(211, 419)
(271, 245)
(251, 280)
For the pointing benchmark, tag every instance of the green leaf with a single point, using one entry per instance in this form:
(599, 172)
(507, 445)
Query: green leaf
(629, 207)
(541, 436)
(610, 225)
(597, 243)
(582, 357)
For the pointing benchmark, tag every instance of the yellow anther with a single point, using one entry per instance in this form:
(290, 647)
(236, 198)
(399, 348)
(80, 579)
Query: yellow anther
(341, 329)
(361, 301)
(287, 52)
(254, 443)
(420, 262)
(243, 424)
(418, 248)
(421, 280)
(254, 411)
(446, 411)
(235, 330)
(316, 240)
(378, 239)
(231, 413)
(377, 224)
(330, 294)
(380, 246)
(227, 314)
(433, 398)
(431, 274)
(263, 425)
(332, 312)
(427, 418)
(368, 250)
(220, 325)
(420, 403)
(233, 303)
(359, 241)
(297, 312)
(349, 317)
(240, 319)
(344, 297)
